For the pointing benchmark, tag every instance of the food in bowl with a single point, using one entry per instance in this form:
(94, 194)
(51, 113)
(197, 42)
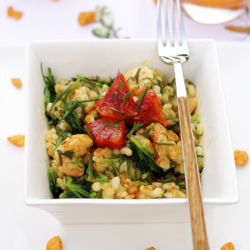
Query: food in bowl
(117, 138)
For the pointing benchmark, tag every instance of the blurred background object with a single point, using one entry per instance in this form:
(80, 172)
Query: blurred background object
(59, 20)
(214, 11)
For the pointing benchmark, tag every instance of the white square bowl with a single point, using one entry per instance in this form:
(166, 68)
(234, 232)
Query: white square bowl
(104, 58)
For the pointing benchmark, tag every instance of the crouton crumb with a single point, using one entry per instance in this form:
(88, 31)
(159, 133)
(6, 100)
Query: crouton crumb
(16, 82)
(228, 246)
(15, 14)
(86, 18)
(17, 140)
(54, 243)
(240, 157)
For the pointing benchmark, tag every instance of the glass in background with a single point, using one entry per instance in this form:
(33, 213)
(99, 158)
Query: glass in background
(214, 11)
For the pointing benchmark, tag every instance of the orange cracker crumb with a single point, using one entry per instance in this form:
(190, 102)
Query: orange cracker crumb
(228, 246)
(155, 1)
(15, 14)
(240, 157)
(151, 248)
(54, 243)
(17, 140)
(16, 82)
(86, 18)
(10, 11)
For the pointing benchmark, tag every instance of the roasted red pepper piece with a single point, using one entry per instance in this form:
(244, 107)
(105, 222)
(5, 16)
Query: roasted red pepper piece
(117, 98)
(150, 110)
(108, 136)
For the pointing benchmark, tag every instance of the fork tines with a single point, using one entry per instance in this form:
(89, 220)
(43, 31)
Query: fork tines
(170, 26)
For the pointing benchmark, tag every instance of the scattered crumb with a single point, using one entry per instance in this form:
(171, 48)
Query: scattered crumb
(54, 243)
(151, 248)
(86, 18)
(15, 14)
(17, 140)
(155, 1)
(16, 82)
(10, 11)
(240, 157)
(228, 246)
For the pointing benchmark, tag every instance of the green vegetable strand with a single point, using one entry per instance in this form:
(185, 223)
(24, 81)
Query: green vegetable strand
(114, 97)
(201, 156)
(111, 124)
(143, 157)
(125, 97)
(136, 125)
(125, 118)
(90, 83)
(120, 86)
(117, 111)
(88, 132)
(52, 183)
(65, 92)
(76, 189)
(148, 128)
(194, 117)
(197, 133)
(137, 74)
(142, 97)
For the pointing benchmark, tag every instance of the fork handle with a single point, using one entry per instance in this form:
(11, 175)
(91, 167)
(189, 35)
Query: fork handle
(199, 233)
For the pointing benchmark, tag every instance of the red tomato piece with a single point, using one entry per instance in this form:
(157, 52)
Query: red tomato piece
(107, 136)
(117, 98)
(150, 110)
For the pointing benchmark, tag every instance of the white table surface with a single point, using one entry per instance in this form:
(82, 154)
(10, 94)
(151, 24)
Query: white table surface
(26, 228)
(48, 19)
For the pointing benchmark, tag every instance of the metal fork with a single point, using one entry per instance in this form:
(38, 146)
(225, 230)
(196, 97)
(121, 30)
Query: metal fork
(174, 52)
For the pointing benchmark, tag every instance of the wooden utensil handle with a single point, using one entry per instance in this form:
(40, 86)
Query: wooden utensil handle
(200, 241)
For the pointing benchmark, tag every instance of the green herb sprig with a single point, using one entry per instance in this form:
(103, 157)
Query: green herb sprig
(148, 128)
(114, 96)
(194, 117)
(111, 124)
(136, 126)
(111, 161)
(121, 86)
(117, 111)
(52, 183)
(143, 157)
(90, 170)
(201, 156)
(49, 94)
(91, 84)
(195, 133)
(124, 118)
(67, 154)
(88, 132)
(142, 97)
(49, 89)
(66, 92)
(125, 97)
(76, 189)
